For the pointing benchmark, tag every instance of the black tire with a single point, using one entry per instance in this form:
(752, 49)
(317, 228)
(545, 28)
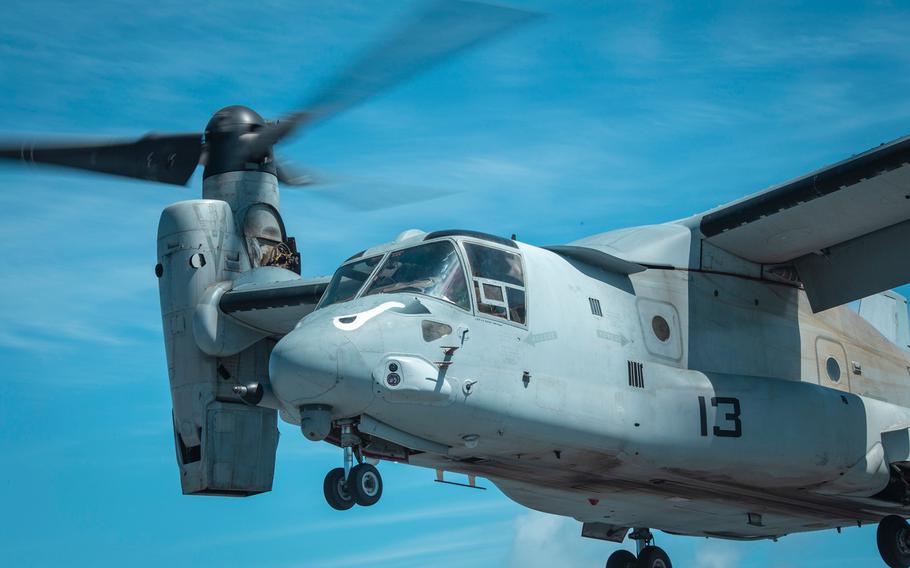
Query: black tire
(622, 559)
(893, 539)
(653, 557)
(365, 484)
(336, 491)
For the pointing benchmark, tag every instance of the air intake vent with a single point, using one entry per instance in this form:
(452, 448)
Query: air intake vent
(595, 306)
(636, 375)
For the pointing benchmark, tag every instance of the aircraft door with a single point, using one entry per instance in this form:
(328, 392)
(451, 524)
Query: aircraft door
(832, 364)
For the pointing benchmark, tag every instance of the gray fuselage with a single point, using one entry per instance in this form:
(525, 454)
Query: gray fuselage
(674, 397)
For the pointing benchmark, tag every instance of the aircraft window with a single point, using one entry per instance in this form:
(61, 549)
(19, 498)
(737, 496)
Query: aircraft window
(516, 305)
(661, 328)
(432, 269)
(498, 282)
(487, 304)
(493, 292)
(833, 369)
(495, 264)
(348, 280)
(433, 330)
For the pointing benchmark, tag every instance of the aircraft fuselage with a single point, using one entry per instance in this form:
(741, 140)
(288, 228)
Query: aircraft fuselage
(687, 400)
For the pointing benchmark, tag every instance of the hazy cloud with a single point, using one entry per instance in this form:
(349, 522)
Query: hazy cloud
(716, 554)
(544, 541)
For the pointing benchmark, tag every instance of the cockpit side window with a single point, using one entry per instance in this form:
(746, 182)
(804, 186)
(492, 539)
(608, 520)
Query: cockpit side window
(498, 281)
(433, 269)
(348, 280)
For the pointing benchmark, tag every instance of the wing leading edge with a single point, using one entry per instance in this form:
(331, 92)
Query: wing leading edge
(274, 307)
(845, 228)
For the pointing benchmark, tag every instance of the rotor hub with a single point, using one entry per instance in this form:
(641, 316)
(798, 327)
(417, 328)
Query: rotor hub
(228, 138)
(234, 119)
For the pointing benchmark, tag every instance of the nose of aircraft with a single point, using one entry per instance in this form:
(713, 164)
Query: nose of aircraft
(318, 364)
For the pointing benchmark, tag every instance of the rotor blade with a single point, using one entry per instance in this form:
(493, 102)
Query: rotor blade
(293, 176)
(443, 29)
(371, 195)
(357, 193)
(170, 158)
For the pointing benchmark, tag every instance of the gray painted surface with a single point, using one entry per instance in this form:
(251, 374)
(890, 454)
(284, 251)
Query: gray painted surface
(856, 268)
(657, 379)
(809, 455)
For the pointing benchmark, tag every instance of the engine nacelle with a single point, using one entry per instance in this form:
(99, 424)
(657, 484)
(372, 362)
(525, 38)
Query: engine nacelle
(224, 446)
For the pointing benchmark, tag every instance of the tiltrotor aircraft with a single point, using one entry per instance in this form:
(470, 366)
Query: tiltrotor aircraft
(701, 377)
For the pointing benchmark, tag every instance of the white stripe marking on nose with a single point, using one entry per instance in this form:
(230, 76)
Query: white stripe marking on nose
(363, 317)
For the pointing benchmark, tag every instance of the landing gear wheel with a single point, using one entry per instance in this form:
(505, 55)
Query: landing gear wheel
(653, 557)
(622, 559)
(894, 541)
(365, 484)
(336, 490)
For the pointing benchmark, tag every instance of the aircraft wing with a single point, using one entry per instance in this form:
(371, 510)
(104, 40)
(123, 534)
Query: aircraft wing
(845, 228)
(275, 307)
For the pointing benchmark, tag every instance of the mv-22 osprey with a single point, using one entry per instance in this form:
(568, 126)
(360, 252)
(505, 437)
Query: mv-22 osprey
(702, 377)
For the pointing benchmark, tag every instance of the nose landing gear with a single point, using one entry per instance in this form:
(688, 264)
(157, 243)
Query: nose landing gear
(366, 484)
(649, 556)
(359, 484)
(336, 491)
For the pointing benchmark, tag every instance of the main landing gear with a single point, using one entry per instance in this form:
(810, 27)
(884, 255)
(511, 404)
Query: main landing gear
(894, 541)
(352, 484)
(649, 556)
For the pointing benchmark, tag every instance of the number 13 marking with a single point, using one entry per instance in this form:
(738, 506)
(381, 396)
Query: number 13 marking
(732, 416)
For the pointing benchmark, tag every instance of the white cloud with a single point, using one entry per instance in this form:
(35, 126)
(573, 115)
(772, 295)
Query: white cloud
(545, 541)
(451, 513)
(716, 554)
(445, 546)
(771, 40)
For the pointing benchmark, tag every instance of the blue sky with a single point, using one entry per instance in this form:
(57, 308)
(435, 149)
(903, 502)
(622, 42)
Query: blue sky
(598, 116)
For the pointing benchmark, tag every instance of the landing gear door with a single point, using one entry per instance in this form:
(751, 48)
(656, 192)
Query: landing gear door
(832, 364)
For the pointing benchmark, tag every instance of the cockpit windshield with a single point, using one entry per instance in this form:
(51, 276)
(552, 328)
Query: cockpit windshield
(348, 280)
(432, 269)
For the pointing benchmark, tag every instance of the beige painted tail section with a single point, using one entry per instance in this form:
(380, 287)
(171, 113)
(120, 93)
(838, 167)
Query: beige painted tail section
(887, 312)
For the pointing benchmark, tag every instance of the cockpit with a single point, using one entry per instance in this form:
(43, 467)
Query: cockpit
(466, 272)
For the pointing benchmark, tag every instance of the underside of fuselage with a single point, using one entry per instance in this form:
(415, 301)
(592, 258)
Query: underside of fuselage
(599, 489)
